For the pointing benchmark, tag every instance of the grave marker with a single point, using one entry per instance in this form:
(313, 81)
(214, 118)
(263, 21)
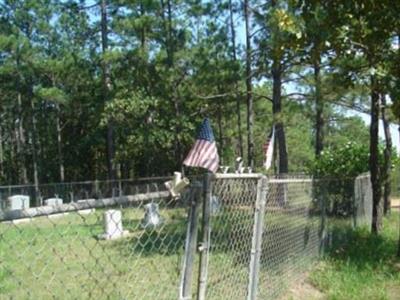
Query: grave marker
(113, 225)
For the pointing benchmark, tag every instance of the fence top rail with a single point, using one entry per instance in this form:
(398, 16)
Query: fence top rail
(9, 215)
(127, 180)
(291, 180)
(238, 176)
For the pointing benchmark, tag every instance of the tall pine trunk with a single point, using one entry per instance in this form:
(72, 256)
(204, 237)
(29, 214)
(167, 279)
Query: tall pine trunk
(173, 89)
(277, 112)
(106, 92)
(59, 145)
(276, 71)
(386, 176)
(373, 159)
(34, 149)
(234, 58)
(2, 173)
(220, 130)
(249, 89)
(21, 141)
(319, 108)
(20, 137)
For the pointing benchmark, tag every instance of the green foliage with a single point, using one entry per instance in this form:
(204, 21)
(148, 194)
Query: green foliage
(348, 160)
(170, 64)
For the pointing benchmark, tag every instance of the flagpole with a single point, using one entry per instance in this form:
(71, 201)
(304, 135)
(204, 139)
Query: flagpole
(206, 234)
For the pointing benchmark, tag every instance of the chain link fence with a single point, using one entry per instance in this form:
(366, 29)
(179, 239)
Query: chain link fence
(229, 236)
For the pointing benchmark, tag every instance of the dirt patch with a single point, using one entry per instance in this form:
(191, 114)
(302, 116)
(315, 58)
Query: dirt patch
(395, 203)
(393, 292)
(305, 291)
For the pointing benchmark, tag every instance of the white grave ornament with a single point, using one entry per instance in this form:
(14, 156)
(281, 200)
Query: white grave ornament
(152, 216)
(239, 169)
(224, 169)
(113, 225)
(17, 202)
(177, 185)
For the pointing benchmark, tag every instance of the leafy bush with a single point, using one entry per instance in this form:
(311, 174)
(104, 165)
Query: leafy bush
(337, 168)
(346, 161)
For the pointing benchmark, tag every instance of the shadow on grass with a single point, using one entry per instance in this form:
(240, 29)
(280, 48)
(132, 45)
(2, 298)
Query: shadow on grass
(363, 250)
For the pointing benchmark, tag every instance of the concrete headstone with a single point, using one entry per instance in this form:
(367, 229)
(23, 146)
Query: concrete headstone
(17, 202)
(53, 201)
(113, 225)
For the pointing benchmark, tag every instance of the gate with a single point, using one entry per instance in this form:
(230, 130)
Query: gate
(229, 238)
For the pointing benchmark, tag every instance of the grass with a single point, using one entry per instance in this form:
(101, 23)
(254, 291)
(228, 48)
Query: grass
(365, 267)
(62, 258)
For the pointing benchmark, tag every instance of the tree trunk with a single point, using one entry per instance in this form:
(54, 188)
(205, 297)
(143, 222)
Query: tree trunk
(319, 106)
(277, 110)
(249, 90)
(387, 159)
(173, 90)
(373, 160)
(220, 131)
(59, 146)
(234, 59)
(2, 173)
(13, 175)
(34, 150)
(20, 137)
(106, 91)
(398, 246)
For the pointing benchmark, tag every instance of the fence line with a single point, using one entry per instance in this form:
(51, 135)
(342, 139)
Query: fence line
(243, 236)
(80, 205)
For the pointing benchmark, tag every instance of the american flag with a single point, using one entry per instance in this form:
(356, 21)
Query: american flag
(269, 149)
(204, 152)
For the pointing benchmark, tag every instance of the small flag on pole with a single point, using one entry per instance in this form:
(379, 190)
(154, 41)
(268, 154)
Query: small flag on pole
(204, 152)
(269, 149)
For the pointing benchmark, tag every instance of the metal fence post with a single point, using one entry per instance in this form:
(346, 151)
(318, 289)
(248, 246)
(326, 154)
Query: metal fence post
(190, 243)
(206, 232)
(256, 244)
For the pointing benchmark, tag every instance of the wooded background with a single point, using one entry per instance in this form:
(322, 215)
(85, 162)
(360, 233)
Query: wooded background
(116, 88)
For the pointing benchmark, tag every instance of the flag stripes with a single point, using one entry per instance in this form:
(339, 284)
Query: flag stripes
(204, 152)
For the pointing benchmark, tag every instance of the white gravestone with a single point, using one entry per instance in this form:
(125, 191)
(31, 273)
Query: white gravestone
(17, 202)
(113, 225)
(53, 201)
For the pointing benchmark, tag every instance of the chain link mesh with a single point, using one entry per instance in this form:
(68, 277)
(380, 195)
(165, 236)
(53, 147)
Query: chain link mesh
(269, 240)
(62, 256)
(232, 222)
(290, 240)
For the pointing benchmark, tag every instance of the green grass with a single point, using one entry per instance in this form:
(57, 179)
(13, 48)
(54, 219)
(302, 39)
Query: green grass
(365, 267)
(62, 258)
